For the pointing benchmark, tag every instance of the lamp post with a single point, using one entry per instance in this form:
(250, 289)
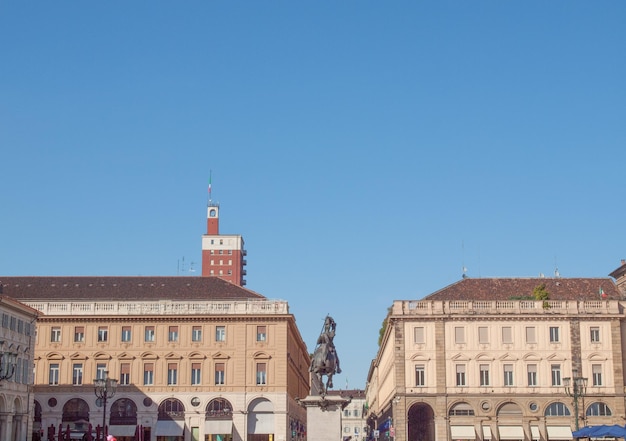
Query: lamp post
(8, 360)
(104, 388)
(575, 388)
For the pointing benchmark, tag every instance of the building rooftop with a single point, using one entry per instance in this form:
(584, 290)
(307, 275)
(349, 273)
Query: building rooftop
(351, 393)
(112, 288)
(521, 288)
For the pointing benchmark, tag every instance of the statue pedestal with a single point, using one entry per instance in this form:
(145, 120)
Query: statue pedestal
(323, 416)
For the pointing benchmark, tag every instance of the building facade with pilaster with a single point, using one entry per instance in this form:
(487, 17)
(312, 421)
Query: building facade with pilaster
(17, 348)
(496, 359)
(196, 358)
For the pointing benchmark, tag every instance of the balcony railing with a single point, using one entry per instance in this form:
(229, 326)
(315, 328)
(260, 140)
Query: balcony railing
(162, 307)
(486, 307)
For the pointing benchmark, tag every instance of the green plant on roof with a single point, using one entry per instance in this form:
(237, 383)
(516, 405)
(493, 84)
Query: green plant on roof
(541, 293)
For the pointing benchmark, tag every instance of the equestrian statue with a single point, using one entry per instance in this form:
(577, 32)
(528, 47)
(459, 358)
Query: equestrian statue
(325, 360)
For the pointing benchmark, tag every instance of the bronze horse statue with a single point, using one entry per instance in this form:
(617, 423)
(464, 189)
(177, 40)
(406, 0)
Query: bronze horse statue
(325, 360)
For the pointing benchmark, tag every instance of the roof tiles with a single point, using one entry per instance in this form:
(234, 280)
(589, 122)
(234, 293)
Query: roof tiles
(519, 288)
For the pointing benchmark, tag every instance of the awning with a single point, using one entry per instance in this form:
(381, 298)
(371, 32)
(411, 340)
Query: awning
(511, 432)
(122, 430)
(169, 428)
(218, 427)
(486, 432)
(534, 433)
(559, 432)
(462, 432)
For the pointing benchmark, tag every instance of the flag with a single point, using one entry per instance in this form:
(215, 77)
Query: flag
(601, 292)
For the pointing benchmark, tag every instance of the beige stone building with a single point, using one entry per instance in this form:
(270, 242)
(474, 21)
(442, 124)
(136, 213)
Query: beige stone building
(353, 424)
(196, 358)
(17, 333)
(484, 359)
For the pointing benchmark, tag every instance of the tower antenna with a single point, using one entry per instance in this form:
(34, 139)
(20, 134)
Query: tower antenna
(210, 177)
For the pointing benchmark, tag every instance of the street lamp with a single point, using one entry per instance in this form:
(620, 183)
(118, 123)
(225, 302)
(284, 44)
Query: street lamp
(8, 360)
(575, 388)
(104, 388)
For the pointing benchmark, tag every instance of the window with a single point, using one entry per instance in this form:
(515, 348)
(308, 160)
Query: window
(5, 321)
(149, 334)
(484, 375)
(220, 333)
(556, 374)
(599, 409)
(483, 335)
(459, 335)
(101, 369)
(196, 373)
(196, 333)
(554, 334)
(531, 335)
(53, 374)
(55, 334)
(103, 333)
(172, 374)
(418, 335)
(77, 374)
(596, 374)
(508, 375)
(148, 374)
(125, 373)
(557, 409)
(460, 374)
(531, 371)
(172, 333)
(79, 334)
(507, 335)
(17, 376)
(461, 409)
(126, 334)
(261, 333)
(261, 373)
(220, 374)
(420, 375)
(595, 334)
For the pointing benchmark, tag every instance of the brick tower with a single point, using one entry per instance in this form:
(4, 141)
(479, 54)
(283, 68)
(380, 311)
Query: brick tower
(222, 254)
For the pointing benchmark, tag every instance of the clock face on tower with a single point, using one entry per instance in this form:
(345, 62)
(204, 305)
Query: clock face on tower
(212, 213)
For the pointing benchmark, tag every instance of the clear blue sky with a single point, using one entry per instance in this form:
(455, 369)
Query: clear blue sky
(365, 150)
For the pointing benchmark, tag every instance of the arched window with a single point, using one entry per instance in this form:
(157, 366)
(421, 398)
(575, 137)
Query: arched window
(219, 408)
(557, 409)
(124, 412)
(509, 409)
(75, 410)
(171, 409)
(461, 409)
(598, 409)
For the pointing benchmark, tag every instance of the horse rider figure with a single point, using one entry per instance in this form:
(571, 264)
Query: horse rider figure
(325, 359)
